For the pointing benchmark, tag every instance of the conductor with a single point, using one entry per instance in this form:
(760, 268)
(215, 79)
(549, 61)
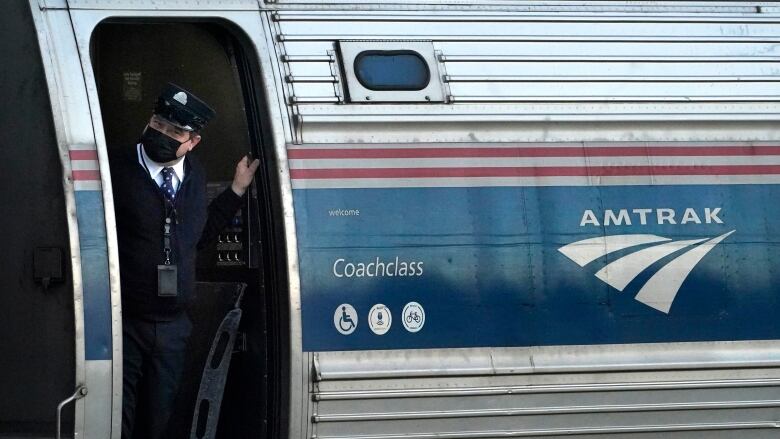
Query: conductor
(162, 219)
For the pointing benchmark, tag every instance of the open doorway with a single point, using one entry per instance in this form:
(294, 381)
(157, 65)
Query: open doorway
(132, 61)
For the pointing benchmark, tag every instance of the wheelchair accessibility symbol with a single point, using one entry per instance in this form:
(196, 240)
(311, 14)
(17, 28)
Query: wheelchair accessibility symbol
(345, 319)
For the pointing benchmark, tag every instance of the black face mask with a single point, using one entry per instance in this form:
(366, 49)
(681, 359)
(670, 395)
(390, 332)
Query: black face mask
(158, 146)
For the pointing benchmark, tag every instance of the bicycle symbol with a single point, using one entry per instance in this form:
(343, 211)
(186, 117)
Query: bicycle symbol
(414, 317)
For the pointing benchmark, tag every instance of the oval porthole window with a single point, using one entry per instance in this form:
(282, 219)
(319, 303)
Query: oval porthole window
(392, 70)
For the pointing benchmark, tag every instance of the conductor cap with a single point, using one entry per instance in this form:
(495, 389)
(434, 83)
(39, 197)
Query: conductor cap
(183, 108)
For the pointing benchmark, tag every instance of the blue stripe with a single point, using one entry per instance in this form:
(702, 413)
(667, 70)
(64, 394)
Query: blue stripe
(488, 270)
(94, 272)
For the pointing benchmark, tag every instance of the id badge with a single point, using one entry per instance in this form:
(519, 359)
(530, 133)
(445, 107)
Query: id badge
(166, 281)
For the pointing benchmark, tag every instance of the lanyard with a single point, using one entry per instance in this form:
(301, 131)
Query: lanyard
(167, 240)
(167, 226)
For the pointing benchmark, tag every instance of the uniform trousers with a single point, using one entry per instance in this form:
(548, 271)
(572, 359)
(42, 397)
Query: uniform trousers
(154, 354)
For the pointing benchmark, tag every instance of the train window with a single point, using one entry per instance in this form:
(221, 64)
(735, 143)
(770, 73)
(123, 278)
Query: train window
(387, 71)
(392, 70)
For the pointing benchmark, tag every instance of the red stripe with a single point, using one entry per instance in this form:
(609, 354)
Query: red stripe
(552, 171)
(86, 154)
(565, 151)
(86, 175)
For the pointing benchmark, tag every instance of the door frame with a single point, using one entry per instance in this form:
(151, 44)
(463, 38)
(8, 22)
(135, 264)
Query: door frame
(256, 29)
(70, 113)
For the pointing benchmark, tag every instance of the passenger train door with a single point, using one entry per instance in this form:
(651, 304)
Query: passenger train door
(38, 356)
(128, 56)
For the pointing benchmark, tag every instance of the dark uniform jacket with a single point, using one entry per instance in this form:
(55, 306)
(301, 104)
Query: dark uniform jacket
(140, 214)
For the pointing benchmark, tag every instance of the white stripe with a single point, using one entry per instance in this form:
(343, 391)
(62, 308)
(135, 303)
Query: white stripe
(87, 185)
(508, 162)
(715, 144)
(659, 292)
(306, 146)
(84, 165)
(369, 183)
(588, 250)
(620, 273)
(82, 147)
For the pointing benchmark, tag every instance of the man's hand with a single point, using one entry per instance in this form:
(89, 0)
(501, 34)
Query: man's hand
(245, 173)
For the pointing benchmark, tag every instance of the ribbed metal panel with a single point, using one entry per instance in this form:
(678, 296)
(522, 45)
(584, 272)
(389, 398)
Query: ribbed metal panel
(648, 71)
(601, 6)
(545, 57)
(632, 404)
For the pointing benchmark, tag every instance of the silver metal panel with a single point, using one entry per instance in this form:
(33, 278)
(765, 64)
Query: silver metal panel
(567, 66)
(270, 54)
(583, 14)
(56, 43)
(52, 4)
(306, 90)
(432, 92)
(542, 122)
(601, 71)
(294, 100)
(547, 359)
(311, 68)
(60, 61)
(83, 29)
(512, 38)
(187, 5)
(512, 392)
(510, 5)
(649, 51)
(100, 410)
(519, 26)
(606, 89)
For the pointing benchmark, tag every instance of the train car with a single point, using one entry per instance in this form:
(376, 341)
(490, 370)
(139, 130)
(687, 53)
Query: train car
(473, 218)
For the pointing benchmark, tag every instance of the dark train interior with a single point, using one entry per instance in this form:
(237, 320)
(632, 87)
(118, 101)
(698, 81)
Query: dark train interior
(132, 61)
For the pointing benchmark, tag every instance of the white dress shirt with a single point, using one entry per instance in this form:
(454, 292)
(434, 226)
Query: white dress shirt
(155, 169)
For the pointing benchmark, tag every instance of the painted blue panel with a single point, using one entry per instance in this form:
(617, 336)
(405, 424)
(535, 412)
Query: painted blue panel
(94, 272)
(493, 275)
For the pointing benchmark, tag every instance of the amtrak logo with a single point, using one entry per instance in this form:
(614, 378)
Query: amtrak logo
(660, 290)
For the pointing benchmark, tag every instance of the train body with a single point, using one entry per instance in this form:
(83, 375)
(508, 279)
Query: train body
(473, 219)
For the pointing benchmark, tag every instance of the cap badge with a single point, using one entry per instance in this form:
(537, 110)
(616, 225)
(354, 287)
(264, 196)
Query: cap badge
(181, 97)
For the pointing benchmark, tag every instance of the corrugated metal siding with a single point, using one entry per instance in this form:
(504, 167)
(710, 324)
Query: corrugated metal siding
(661, 66)
(680, 404)
(544, 57)
(553, 66)
(528, 6)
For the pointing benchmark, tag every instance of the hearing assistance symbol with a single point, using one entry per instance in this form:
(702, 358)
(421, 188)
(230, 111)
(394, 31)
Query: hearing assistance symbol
(660, 290)
(379, 319)
(345, 319)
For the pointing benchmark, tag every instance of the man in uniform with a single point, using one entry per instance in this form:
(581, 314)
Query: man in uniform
(162, 218)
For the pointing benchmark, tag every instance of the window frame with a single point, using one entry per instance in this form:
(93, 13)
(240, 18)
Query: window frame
(357, 92)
